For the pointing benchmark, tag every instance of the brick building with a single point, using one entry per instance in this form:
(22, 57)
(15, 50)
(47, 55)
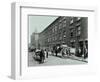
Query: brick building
(71, 31)
(79, 32)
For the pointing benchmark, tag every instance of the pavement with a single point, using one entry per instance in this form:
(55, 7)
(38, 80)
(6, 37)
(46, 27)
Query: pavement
(78, 58)
(73, 57)
(53, 60)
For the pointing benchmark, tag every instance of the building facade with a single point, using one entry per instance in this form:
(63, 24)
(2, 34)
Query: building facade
(79, 32)
(35, 40)
(72, 31)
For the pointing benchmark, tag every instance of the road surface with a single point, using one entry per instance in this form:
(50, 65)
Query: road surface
(53, 60)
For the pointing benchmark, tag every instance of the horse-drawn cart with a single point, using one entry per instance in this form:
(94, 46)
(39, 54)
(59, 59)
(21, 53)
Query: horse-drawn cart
(72, 51)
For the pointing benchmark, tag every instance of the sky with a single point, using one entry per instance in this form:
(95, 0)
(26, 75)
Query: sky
(39, 23)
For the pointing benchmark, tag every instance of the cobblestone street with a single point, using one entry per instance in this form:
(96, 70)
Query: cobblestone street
(53, 60)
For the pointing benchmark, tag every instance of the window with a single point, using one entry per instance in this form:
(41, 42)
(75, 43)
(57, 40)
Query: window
(55, 28)
(72, 30)
(71, 34)
(52, 29)
(60, 36)
(71, 27)
(79, 28)
(78, 18)
(52, 39)
(72, 44)
(64, 34)
(60, 26)
(55, 37)
(79, 32)
(64, 23)
(78, 24)
(71, 22)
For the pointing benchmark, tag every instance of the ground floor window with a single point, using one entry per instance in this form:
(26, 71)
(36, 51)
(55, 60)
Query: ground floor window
(73, 44)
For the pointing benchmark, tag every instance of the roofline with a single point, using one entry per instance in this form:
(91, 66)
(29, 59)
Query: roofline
(50, 24)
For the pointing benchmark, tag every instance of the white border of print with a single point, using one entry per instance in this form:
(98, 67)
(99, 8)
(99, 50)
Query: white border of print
(20, 69)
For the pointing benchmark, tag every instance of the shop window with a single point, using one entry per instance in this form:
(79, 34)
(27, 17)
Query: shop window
(72, 44)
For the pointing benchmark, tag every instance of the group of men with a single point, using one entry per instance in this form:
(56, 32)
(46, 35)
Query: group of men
(82, 52)
(43, 54)
(62, 50)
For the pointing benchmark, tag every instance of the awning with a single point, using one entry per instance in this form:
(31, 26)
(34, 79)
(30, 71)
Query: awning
(64, 46)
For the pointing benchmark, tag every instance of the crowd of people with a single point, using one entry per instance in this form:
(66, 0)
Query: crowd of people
(44, 53)
(62, 50)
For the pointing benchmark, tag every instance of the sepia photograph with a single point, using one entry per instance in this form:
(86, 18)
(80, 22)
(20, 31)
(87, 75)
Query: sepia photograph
(57, 40)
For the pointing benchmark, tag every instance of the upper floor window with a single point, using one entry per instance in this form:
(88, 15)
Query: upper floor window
(55, 37)
(78, 18)
(55, 28)
(48, 40)
(79, 28)
(64, 23)
(60, 36)
(71, 34)
(71, 22)
(78, 24)
(60, 25)
(79, 32)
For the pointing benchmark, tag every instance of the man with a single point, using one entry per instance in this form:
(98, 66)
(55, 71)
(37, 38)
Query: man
(79, 52)
(42, 56)
(46, 54)
(85, 52)
(56, 52)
